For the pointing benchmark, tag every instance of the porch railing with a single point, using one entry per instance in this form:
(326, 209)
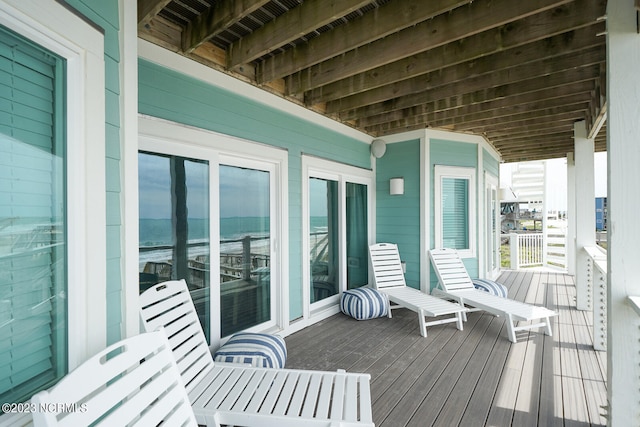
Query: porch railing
(526, 249)
(597, 286)
(530, 250)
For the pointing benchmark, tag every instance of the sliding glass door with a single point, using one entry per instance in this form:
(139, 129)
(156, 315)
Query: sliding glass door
(174, 225)
(337, 230)
(245, 248)
(324, 222)
(212, 217)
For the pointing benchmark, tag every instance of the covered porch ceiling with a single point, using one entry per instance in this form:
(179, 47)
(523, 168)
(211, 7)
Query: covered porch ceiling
(520, 73)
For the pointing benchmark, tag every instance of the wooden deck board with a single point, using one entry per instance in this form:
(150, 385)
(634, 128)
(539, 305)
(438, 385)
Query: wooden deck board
(474, 377)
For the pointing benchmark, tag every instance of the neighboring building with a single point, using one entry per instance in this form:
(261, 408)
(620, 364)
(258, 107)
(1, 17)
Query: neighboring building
(601, 213)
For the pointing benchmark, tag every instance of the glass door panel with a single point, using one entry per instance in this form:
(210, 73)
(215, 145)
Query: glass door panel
(357, 235)
(245, 248)
(174, 225)
(323, 238)
(492, 231)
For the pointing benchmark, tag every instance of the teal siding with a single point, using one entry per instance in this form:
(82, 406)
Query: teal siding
(451, 153)
(105, 14)
(174, 96)
(491, 164)
(398, 217)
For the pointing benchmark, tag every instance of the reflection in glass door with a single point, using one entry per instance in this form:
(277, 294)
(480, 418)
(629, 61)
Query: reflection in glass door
(245, 248)
(323, 238)
(174, 225)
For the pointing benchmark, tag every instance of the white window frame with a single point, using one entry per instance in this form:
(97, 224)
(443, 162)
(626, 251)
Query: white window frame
(54, 27)
(166, 137)
(314, 167)
(456, 172)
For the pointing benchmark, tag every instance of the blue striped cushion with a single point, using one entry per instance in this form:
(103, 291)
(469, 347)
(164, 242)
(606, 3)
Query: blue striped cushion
(491, 287)
(364, 303)
(259, 350)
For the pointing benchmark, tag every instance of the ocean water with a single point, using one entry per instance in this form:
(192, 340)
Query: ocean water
(157, 232)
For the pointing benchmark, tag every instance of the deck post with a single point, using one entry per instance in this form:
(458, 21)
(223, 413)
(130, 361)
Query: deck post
(571, 214)
(514, 250)
(623, 141)
(585, 212)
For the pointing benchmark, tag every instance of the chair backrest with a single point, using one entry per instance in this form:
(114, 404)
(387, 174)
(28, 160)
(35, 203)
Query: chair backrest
(169, 305)
(451, 272)
(132, 382)
(387, 267)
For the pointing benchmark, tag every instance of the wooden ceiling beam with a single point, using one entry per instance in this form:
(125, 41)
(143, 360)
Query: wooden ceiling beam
(542, 137)
(530, 123)
(381, 23)
(471, 124)
(296, 23)
(505, 71)
(479, 91)
(538, 152)
(456, 103)
(216, 19)
(149, 9)
(561, 32)
(470, 113)
(477, 122)
(554, 127)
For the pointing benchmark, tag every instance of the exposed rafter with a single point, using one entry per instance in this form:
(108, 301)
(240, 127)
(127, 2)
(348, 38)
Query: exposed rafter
(517, 73)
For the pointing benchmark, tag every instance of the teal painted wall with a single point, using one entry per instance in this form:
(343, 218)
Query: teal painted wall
(491, 164)
(174, 96)
(398, 217)
(451, 153)
(105, 14)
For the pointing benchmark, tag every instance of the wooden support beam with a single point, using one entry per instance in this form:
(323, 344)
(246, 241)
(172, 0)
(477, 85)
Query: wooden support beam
(485, 77)
(530, 100)
(555, 33)
(474, 113)
(216, 19)
(148, 9)
(387, 20)
(298, 22)
(475, 86)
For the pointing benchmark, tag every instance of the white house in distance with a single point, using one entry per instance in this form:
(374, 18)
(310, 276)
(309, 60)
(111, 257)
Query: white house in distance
(136, 146)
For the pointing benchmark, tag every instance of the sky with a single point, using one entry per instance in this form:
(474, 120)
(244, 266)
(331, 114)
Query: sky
(242, 192)
(557, 180)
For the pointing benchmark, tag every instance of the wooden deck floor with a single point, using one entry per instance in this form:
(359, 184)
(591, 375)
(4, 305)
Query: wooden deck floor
(475, 377)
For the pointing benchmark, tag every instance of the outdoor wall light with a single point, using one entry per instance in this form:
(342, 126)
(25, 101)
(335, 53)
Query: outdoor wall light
(396, 186)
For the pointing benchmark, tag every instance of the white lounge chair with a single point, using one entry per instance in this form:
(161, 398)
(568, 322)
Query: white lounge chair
(454, 283)
(389, 279)
(133, 382)
(223, 393)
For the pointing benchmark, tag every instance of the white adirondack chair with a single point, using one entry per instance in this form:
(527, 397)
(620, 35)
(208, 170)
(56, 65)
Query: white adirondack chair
(389, 278)
(231, 394)
(454, 282)
(134, 382)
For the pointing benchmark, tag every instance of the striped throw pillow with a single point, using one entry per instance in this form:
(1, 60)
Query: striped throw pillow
(258, 350)
(364, 303)
(491, 287)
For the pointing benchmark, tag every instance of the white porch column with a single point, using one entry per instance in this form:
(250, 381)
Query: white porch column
(571, 214)
(585, 205)
(623, 147)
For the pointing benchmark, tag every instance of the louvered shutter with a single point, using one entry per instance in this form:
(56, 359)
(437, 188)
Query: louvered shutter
(455, 213)
(33, 323)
